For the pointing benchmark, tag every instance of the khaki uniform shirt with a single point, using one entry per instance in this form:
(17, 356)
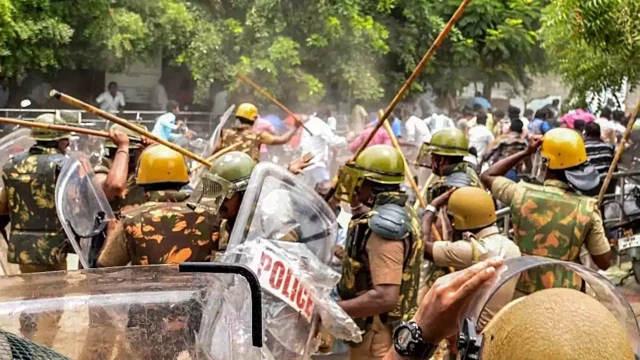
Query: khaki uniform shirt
(596, 241)
(485, 244)
(386, 258)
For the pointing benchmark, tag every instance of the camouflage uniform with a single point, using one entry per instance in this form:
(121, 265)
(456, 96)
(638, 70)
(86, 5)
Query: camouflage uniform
(30, 178)
(551, 222)
(134, 195)
(356, 276)
(438, 187)
(251, 140)
(164, 230)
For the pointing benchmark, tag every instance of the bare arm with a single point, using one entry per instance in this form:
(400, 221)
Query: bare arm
(116, 182)
(602, 261)
(279, 139)
(427, 220)
(379, 300)
(503, 166)
(115, 252)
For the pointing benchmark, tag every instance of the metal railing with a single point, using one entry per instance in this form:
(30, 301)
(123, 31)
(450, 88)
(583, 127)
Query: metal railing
(204, 120)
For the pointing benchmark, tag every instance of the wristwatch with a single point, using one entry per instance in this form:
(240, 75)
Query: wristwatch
(408, 341)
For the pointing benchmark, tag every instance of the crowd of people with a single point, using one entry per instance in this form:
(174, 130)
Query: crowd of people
(406, 276)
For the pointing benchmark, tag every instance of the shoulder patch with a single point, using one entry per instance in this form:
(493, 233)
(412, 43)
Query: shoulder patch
(390, 221)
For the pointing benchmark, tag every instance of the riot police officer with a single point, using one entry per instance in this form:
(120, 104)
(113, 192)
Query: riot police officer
(164, 229)
(473, 215)
(122, 155)
(444, 155)
(246, 115)
(553, 220)
(383, 252)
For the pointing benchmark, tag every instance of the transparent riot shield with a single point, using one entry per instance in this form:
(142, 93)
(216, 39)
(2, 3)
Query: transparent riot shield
(143, 312)
(470, 344)
(218, 131)
(278, 206)
(286, 233)
(14, 143)
(83, 208)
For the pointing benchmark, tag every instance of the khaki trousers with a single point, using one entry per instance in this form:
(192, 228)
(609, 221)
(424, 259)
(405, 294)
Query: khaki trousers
(43, 327)
(376, 342)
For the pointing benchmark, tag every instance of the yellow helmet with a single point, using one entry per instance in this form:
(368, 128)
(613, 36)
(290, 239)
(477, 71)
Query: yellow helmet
(471, 208)
(159, 164)
(563, 148)
(247, 111)
(556, 324)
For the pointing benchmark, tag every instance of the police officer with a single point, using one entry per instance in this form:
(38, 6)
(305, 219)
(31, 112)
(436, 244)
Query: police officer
(247, 114)
(553, 220)
(36, 241)
(444, 155)
(122, 156)
(163, 230)
(473, 215)
(383, 252)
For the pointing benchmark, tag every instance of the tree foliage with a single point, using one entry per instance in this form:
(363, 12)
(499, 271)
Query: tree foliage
(594, 43)
(300, 50)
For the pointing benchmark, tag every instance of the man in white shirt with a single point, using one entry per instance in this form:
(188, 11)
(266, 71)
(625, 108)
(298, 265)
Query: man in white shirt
(417, 130)
(111, 100)
(319, 145)
(480, 136)
(437, 122)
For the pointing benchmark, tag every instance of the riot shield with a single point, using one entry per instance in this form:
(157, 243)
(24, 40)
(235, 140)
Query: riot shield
(278, 206)
(143, 312)
(14, 143)
(286, 233)
(218, 131)
(83, 208)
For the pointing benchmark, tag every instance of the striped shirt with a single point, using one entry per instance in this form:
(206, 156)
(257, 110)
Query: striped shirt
(600, 154)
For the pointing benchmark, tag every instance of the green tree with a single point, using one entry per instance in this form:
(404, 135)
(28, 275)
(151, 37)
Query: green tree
(593, 44)
(501, 39)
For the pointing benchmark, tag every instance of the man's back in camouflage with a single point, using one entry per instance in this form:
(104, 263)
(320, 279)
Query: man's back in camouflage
(164, 232)
(36, 233)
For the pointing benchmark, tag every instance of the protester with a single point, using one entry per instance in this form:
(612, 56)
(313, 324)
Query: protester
(417, 130)
(264, 125)
(381, 137)
(319, 144)
(166, 124)
(540, 124)
(507, 145)
(437, 122)
(600, 153)
(111, 100)
(358, 118)
(501, 123)
(480, 136)
(480, 100)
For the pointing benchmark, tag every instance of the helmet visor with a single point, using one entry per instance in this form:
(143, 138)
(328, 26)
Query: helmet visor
(211, 192)
(348, 181)
(424, 156)
(540, 165)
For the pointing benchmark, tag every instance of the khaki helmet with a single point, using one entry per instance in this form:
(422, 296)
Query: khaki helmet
(563, 148)
(50, 135)
(471, 208)
(555, 324)
(228, 175)
(117, 127)
(159, 164)
(446, 142)
(247, 111)
(381, 164)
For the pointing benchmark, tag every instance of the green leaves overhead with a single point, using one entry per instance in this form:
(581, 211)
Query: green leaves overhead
(300, 50)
